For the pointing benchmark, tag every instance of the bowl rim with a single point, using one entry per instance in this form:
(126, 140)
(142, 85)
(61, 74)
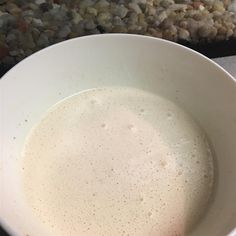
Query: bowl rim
(115, 36)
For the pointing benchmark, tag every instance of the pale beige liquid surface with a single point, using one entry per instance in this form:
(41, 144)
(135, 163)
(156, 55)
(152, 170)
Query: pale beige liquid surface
(117, 161)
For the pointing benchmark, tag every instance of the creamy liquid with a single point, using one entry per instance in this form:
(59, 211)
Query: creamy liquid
(117, 161)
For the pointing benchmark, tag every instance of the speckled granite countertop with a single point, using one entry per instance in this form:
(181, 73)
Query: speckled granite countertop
(29, 25)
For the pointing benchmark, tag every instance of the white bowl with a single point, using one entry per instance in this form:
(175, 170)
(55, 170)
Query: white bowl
(198, 84)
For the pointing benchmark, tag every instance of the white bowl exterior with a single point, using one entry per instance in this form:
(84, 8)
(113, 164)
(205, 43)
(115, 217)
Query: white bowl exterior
(199, 85)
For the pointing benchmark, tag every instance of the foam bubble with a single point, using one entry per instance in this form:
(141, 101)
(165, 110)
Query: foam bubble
(103, 125)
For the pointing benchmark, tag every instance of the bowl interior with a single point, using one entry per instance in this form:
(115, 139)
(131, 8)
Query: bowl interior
(197, 84)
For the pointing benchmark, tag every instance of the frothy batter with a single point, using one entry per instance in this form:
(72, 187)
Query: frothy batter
(117, 161)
